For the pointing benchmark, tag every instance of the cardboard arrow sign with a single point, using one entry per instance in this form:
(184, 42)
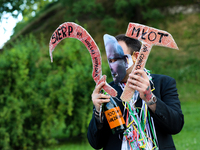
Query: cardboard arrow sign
(148, 36)
(72, 30)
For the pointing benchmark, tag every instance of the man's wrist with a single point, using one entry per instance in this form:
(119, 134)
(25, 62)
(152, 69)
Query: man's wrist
(152, 101)
(98, 115)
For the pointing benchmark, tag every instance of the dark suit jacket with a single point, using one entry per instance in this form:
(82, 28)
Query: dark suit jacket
(168, 117)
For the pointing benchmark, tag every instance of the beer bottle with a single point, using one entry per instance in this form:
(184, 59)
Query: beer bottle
(114, 116)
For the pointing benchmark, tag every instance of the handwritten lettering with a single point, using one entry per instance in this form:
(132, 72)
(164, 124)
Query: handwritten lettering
(90, 46)
(145, 48)
(114, 115)
(153, 39)
(115, 118)
(79, 34)
(138, 66)
(143, 34)
(64, 31)
(60, 33)
(151, 36)
(161, 36)
(96, 65)
(137, 30)
(70, 30)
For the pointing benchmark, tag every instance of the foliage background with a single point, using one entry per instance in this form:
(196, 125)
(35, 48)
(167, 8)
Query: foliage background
(44, 104)
(41, 101)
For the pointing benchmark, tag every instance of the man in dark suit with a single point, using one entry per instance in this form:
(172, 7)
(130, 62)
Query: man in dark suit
(163, 106)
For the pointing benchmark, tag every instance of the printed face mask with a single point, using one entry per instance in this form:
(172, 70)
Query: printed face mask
(116, 58)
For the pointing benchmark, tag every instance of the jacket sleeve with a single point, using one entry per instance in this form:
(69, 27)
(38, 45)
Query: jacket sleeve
(97, 137)
(168, 115)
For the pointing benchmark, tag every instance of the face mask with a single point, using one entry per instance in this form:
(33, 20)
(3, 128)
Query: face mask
(116, 58)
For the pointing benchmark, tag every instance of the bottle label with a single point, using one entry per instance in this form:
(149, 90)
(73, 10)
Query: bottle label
(114, 117)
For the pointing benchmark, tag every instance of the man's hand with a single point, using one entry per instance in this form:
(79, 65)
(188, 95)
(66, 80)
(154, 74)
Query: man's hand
(138, 80)
(99, 98)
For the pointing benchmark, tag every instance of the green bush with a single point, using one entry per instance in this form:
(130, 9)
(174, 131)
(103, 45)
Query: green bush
(41, 101)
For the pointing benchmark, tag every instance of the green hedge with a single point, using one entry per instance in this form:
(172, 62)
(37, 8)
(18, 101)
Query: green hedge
(41, 101)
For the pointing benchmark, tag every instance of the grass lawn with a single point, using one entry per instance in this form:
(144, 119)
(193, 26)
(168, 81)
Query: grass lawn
(71, 146)
(189, 137)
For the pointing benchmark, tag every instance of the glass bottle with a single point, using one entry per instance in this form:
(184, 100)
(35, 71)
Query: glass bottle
(114, 116)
